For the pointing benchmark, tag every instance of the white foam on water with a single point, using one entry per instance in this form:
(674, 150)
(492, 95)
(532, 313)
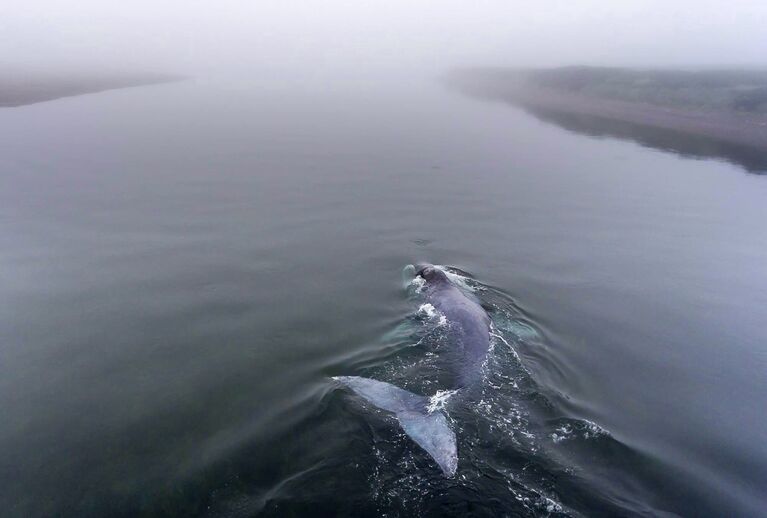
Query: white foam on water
(562, 433)
(459, 280)
(502, 339)
(432, 314)
(418, 284)
(428, 310)
(550, 505)
(593, 430)
(439, 400)
(583, 428)
(536, 501)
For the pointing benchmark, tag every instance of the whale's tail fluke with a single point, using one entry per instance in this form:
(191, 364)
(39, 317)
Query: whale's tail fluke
(429, 429)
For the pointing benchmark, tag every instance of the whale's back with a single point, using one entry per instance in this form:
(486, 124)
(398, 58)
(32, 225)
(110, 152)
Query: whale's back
(468, 332)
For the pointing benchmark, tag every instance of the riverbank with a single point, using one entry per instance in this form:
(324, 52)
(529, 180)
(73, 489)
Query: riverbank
(725, 110)
(18, 89)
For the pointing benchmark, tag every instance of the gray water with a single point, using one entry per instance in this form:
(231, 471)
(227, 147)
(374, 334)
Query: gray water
(184, 267)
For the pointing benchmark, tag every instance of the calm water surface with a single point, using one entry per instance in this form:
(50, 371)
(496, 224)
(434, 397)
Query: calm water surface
(184, 267)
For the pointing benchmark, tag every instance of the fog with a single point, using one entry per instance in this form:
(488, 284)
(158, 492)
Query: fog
(209, 216)
(336, 39)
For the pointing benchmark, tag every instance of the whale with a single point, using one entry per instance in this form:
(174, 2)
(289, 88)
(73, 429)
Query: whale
(467, 342)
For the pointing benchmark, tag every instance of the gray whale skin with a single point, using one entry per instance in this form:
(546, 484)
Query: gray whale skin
(469, 341)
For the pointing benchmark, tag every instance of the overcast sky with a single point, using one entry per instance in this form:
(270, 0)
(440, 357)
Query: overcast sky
(287, 37)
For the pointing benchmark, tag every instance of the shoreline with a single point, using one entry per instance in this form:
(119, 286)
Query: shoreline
(737, 137)
(26, 89)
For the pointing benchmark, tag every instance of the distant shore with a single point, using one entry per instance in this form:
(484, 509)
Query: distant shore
(28, 88)
(725, 107)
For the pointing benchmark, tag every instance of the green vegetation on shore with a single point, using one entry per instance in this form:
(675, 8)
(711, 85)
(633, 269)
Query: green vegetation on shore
(740, 91)
(728, 90)
(705, 113)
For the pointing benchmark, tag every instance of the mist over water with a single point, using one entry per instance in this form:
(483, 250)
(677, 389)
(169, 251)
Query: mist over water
(186, 266)
(315, 44)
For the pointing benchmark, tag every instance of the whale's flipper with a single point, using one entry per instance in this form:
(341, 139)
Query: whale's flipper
(428, 429)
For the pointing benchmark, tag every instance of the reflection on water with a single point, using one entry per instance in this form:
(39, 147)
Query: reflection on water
(693, 146)
(560, 111)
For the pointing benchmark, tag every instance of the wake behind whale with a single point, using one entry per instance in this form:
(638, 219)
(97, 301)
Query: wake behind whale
(467, 343)
(518, 433)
